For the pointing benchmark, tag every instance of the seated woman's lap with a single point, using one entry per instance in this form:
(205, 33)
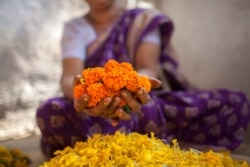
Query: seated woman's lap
(204, 117)
(214, 117)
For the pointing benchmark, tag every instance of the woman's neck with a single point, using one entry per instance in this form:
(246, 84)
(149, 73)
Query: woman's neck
(104, 17)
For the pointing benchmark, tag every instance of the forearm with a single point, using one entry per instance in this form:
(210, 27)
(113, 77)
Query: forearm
(146, 59)
(151, 72)
(71, 68)
(67, 86)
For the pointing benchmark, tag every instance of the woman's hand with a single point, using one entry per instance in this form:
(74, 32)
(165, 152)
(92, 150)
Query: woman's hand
(109, 107)
(135, 101)
(141, 97)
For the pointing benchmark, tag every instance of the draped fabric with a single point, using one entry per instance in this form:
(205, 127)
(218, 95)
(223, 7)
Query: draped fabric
(217, 117)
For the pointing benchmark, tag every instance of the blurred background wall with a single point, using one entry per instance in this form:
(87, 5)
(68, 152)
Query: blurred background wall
(212, 39)
(30, 33)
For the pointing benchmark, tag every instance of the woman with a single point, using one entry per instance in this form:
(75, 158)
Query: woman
(198, 118)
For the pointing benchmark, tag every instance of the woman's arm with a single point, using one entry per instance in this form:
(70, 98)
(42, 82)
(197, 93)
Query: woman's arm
(73, 50)
(147, 56)
(148, 53)
(146, 59)
(71, 67)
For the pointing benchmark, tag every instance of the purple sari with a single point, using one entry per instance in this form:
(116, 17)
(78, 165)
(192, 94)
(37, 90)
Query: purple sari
(216, 117)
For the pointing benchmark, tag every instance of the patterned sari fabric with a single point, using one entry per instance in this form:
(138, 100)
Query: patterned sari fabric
(216, 117)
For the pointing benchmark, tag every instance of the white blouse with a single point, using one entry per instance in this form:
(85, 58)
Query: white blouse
(78, 34)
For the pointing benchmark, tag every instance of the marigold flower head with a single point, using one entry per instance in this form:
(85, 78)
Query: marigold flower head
(93, 75)
(112, 92)
(79, 90)
(127, 66)
(115, 79)
(97, 92)
(143, 82)
(132, 83)
(110, 65)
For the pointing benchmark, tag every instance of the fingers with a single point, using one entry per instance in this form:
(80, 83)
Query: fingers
(106, 108)
(119, 114)
(109, 107)
(155, 83)
(110, 110)
(101, 107)
(143, 96)
(114, 122)
(76, 80)
(122, 114)
(80, 104)
(112, 106)
(131, 101)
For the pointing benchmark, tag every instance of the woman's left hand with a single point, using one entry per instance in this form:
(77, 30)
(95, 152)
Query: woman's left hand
(141, 96)
(134, 101)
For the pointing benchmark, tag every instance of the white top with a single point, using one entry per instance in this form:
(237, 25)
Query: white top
(78, 34)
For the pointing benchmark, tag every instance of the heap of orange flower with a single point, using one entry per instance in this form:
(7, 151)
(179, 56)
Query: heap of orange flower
(107, 81)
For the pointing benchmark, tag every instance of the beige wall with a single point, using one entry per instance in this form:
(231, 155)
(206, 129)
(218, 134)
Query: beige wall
(30, 62)
(30, 66)
(213, 40)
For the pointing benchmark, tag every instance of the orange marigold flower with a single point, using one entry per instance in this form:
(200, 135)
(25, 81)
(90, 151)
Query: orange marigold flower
(143, 82)
(96, 92)
(132, 82)
(115, 79)
(79, 90)
(93, 75)
(126, 66)
(111, 92)
(110, 65)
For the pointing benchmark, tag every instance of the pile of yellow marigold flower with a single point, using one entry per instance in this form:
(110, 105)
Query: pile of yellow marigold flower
(107, 81)
(12, 158)
(136, 150)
